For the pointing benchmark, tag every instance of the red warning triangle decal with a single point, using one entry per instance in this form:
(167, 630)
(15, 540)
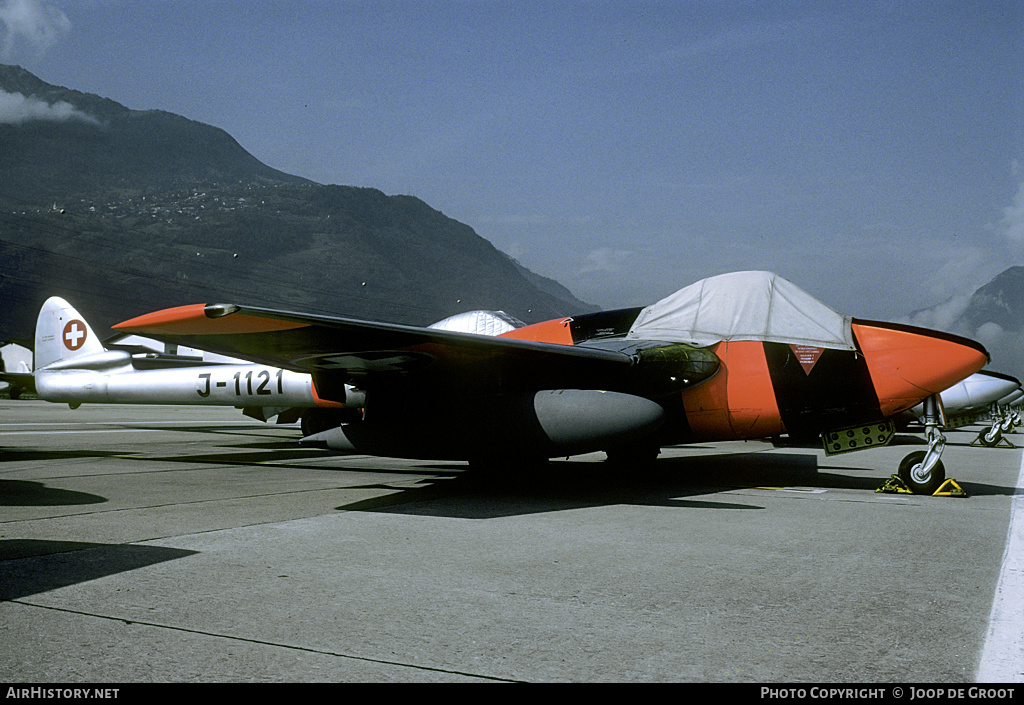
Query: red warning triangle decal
(807, 356)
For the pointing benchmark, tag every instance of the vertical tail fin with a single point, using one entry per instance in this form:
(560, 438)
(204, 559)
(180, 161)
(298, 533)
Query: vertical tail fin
(62, 333)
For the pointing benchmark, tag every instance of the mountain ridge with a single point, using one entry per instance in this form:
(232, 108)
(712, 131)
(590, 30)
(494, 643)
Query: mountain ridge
(124, 211)
(995, 302)
(993, 314)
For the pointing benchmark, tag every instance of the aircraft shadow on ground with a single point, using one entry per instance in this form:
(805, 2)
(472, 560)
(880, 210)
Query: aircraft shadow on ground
(267, 432)
(26, 493)
(673, 482)
(278, 453)
(268, 455)
(33, 566)
(19, 455)
(684, 483)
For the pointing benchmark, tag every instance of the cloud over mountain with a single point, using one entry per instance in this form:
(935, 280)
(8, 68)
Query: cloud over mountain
(16, 109)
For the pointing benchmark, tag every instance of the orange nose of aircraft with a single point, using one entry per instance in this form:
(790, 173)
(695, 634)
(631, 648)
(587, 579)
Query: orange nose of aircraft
(908, 363)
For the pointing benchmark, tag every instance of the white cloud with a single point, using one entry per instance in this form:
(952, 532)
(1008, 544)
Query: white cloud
(604, 259)
(738, 38)
(16, 109)
(944, 316)
(1012, 224)
(989, 333)
(958, 269)
(34, 24)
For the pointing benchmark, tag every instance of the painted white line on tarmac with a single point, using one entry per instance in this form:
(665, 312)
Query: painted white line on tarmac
(89, 431)
(131, 422)
(141, 428)
(1002, 658)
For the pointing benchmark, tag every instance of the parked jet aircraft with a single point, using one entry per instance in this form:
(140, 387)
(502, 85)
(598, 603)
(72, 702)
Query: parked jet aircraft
(742, 355)
(1007, 410)
(970, 399)
(979, 391)
(1011, 399)
(15, 370)
(1004, 417)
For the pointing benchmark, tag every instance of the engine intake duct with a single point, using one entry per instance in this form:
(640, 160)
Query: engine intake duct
(661, 368)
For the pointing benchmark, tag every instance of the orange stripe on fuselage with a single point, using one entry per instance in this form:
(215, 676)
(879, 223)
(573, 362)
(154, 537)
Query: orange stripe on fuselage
(739, 401)
(553, 331)
(192, 320)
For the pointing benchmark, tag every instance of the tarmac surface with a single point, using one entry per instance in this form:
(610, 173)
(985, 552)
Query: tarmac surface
(188, 544)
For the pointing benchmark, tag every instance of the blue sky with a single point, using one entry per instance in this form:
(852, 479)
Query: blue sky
(871, 152)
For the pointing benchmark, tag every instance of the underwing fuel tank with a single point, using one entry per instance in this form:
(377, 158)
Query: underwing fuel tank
(547, 423)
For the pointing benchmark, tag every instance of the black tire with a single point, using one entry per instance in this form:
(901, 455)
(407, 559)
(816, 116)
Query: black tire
(991, 437)
(912, 478)
(317, 420)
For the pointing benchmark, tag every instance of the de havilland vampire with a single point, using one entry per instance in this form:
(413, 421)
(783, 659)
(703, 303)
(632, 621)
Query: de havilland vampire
(738, 356)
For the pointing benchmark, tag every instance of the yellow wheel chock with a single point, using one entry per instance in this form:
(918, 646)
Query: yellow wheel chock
(949, 488)
(894, 485)
(999, 443)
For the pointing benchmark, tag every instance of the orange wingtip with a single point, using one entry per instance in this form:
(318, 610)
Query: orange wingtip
(553, 331)
(193, 320)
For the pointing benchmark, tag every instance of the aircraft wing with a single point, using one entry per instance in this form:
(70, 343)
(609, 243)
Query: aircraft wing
(18, 382)
(365, 352)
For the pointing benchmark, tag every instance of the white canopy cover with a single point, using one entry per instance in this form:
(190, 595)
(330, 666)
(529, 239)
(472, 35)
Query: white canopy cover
(744, 306)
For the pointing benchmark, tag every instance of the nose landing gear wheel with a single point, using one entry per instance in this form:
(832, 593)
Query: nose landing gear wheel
(921, 482)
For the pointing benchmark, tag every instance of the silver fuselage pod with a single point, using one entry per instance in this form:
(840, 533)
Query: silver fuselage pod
(116, 377)
(1010, 399)
(548, 423)
(976, 393)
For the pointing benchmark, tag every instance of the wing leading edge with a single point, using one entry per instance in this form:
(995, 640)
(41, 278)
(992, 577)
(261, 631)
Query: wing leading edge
(338, 350)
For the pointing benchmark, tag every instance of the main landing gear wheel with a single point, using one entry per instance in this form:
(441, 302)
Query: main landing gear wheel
(991, 438)
(916, 478)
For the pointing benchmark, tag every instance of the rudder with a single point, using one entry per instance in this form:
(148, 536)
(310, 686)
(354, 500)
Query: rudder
(62, 333)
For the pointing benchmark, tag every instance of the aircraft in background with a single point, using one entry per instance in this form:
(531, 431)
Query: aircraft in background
(740, 356)
(983, 397)
(1011, 400)
(973, 398)
(979, 392)
(16, 369)
(1005, 417)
